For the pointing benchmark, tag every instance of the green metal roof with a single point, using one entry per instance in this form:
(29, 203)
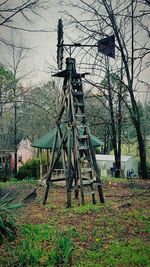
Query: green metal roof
(46, 140)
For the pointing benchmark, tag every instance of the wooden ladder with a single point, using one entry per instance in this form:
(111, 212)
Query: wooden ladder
(75, 145)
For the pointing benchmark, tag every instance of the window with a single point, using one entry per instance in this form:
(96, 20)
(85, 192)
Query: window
(20, 159)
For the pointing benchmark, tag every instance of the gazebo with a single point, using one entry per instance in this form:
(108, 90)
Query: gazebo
(45, 142)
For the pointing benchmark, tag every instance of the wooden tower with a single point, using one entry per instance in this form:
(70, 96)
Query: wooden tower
(73, 142)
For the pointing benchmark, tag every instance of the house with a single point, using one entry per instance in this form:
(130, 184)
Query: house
(25, 151)
(106, 164)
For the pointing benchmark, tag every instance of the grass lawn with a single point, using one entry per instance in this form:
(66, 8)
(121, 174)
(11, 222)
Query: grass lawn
(113, 234)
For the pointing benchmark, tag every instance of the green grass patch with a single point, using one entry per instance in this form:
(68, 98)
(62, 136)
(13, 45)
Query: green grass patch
(40, 245)
(88, 208)
(125, 254)
(14, 181)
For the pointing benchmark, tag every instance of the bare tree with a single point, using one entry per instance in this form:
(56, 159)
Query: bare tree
(128, 21)
(130, 65)
(16, 66)
(20, 15)
(40, 108)
(111, 107)
(9, 10)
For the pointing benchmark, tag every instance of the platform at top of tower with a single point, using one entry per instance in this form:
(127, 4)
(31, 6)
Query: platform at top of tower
(70, 69)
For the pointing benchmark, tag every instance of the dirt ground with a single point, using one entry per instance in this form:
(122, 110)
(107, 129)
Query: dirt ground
(121, 194)
(123, 216)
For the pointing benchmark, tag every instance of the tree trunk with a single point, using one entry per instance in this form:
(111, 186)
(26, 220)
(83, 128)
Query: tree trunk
(119, 124)
(117, 153)
(15, 132)
(15, 162)
(142, 153)
(136, 121)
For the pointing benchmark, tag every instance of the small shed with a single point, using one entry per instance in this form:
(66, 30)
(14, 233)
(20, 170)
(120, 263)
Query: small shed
(106, 163)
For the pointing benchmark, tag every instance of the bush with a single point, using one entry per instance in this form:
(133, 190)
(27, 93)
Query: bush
(31, 169)
(148, 166)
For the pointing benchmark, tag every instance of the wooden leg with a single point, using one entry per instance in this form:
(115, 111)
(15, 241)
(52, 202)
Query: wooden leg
(41, 167)
(68, 199)
(76, 188)
(46, 193)
(93, 194)
(93, 198)
(76, 193)
(100, 193)
(82, 197)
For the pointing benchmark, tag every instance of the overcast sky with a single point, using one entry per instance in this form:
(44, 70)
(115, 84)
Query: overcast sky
(43, 54)
(43, 44)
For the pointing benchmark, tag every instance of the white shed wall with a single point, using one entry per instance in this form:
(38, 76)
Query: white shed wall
(105, 163)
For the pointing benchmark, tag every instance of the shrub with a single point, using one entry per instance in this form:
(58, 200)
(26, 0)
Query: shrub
(148, 166)
(31, 169)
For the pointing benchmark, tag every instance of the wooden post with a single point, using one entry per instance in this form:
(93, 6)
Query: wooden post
(41, 169)
(69, 176)
(46, 192)
(47, 167)
(99, 186)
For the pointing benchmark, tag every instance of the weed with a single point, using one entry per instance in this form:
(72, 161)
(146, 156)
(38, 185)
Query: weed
(62, 252)
(41, 244)
(25, 254)
(71, 232)
(6, 218)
